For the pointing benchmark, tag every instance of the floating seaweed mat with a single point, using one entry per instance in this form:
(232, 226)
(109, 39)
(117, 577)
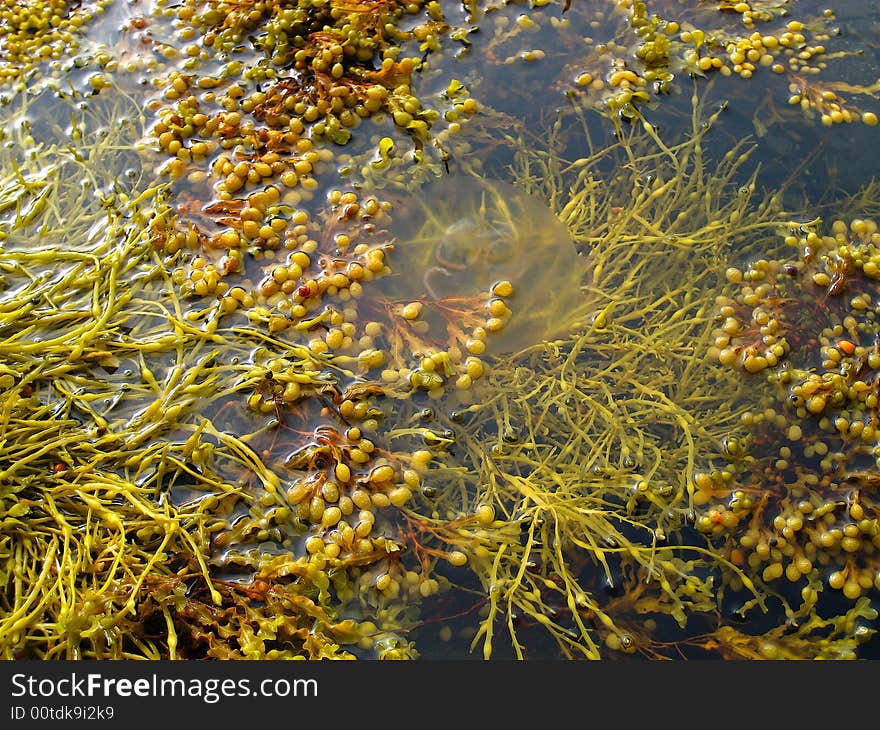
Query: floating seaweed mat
(466, 235)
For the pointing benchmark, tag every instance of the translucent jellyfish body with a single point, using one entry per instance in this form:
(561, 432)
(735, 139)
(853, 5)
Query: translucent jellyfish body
(462, 236)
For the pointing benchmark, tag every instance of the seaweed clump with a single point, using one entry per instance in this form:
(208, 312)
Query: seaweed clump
(228, 437)
(45, 33)
(569, 484)
(802, 506)
(124, 511)
(788, 514)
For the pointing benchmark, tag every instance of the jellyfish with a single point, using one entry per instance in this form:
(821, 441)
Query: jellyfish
(467, 234)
